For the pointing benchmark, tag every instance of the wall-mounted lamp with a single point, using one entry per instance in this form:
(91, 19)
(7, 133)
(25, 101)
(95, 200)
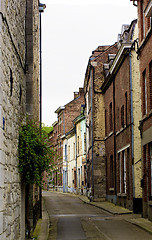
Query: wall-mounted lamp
(41, 7)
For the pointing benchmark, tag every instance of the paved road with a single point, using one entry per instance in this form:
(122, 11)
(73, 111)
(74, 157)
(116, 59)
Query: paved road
(71, 219)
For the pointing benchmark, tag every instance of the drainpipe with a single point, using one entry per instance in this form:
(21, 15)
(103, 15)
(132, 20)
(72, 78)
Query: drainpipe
(132, 126)
(92, 190)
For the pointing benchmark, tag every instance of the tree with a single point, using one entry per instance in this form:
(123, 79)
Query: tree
(35, 155)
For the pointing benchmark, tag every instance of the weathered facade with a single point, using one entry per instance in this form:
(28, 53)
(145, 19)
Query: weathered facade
(16, 64)
(145, 56)
(95, 123)
(121, 91)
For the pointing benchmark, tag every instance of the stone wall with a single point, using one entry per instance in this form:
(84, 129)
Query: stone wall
(32, 55)
(12, 107)
(14, 72)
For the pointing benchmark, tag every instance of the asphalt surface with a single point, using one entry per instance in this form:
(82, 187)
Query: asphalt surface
(70, 218)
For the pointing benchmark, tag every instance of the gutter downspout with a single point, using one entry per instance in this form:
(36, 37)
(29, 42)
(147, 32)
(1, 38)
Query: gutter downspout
(40, 194)
(92, 190)
(132, 126)
(41, 10)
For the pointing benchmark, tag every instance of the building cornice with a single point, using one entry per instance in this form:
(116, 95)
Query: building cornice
(59, 109)
(148, 9)
(124, 49)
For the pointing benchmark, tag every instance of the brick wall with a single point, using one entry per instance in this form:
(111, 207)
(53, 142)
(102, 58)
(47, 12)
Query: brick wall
(145, 41)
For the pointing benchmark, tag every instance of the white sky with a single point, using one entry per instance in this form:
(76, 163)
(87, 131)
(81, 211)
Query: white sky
(71, 30)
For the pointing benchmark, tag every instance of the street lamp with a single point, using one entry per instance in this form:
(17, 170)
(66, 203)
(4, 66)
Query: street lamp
(41, 10)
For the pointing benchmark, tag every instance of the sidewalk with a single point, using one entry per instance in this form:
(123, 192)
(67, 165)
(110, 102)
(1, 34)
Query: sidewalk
(41, 231)
(104, 205)
(137, 220)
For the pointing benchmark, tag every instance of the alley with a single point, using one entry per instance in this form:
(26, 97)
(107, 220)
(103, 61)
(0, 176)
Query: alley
(70, 218)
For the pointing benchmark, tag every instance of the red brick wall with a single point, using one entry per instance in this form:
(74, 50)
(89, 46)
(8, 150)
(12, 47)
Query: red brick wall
(145, 60)
(123, 133)
(140, 20)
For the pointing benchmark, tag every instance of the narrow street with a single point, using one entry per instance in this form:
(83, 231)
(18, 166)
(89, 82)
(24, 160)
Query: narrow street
(70, 218)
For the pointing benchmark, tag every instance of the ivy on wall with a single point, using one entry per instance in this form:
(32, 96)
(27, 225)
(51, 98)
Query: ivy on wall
(35, 155)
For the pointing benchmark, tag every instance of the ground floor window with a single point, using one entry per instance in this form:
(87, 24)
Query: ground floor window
(111, 172)
(122, 166)
(150, 153)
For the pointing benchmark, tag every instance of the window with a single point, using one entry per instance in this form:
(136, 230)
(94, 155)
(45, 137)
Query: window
(122, 116)
(128, 174)
(142, 20)
(11, 83)
(144, 88)
(119, 160)
(73, 150)
(150, 151)
(65, 152)
(110, 116)
(78, 177)
(124, 171)
(69, 153)
(20, 95)
(126, 107)
(60, 149)
(106, 122)
(145, 180)
(150, 84)
(111, 172)
(78, 145)
(117, 117)
(84, 142)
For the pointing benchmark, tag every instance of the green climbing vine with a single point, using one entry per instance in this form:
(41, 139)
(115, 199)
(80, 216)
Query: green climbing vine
(35, 155)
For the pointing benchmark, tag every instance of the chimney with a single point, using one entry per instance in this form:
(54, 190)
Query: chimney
(76, 94)
(81, 91)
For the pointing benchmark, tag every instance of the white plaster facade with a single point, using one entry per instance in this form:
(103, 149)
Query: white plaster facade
(69, 162)
(80, 125)
(136, 117)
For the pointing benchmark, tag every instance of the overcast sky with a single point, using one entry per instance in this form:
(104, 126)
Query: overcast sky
(71, 30)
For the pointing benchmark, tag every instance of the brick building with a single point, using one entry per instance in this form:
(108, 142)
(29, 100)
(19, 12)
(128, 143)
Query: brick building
(145, 55)
(95, 124)
(19, 94)
(121, 91)
(65, 114)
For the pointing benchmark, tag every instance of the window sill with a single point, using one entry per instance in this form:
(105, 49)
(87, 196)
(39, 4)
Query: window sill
(150, 203)
(122, 195)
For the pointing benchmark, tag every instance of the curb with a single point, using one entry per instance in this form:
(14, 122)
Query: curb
(44, 231)
(121, 211)
(141, 223)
